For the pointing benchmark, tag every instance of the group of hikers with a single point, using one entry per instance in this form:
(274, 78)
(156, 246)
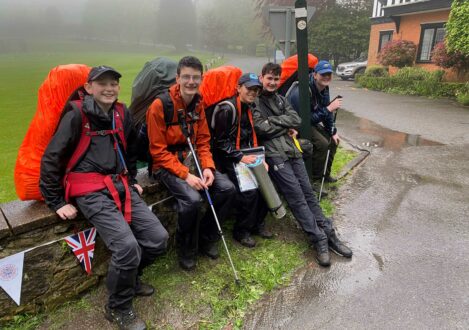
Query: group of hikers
(90, 165)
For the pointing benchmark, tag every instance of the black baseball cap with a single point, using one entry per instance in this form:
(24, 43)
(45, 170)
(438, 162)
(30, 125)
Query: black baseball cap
(249, 80)
(98, 71)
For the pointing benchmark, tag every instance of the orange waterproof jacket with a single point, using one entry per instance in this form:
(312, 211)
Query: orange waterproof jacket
(162, 136)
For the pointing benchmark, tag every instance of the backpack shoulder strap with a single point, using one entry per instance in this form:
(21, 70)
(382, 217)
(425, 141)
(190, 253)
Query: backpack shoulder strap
(168, 108)
(119, 114)
(218, 108)
(85, 138)
(294, 85)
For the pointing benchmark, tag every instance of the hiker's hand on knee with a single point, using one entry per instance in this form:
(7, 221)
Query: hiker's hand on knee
(336, 138)
(195, 182)
(139, 189)
(208, 177)
(67, 212)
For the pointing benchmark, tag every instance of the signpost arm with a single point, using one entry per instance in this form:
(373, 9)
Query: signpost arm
(302, 49)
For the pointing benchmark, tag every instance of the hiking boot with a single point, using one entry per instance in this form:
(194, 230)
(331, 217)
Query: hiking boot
(210, 249)
(186, 262)
(336, 246)
(330, 179)
(125, 320)
(264, 233)
(317, 187)
(186, 251)
(322, 253)
(246, 240)
(143, 289)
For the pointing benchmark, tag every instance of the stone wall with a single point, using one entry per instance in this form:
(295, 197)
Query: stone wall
(51, 273)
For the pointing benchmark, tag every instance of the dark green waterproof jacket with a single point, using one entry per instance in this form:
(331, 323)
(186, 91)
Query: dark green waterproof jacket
(273, 117)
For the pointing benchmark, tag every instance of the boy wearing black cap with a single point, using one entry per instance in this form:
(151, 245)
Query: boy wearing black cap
(276, 122)
(234, 131)
(92, 154)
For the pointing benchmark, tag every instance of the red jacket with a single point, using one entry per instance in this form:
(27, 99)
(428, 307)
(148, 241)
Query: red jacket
(162, 136)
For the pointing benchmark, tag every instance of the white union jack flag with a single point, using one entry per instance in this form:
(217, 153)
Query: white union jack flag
(82, 245)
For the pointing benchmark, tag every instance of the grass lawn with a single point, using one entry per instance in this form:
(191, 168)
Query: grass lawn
(23, 73)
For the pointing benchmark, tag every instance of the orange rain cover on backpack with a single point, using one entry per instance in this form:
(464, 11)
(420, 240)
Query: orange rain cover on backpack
(290, 66)
(219, 83)
(52, 96)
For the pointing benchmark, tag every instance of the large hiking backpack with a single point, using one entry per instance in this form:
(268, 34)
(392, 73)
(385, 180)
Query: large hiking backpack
(218, 86)
(53, 95)
(290, 72)
(151, 83)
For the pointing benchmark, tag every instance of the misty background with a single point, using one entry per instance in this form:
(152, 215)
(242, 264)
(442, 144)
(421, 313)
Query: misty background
(214, 25)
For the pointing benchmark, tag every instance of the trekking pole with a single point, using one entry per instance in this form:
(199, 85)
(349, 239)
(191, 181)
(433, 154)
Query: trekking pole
(185, 131)
(328, 150)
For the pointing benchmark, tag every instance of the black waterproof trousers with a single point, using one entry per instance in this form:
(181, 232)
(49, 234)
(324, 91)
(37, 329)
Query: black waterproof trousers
(190, 200)
(321, 141)
(250, 208)
(292, 181)
(133, 246)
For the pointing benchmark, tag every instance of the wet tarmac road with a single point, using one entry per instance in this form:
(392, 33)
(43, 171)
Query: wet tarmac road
(404, 212)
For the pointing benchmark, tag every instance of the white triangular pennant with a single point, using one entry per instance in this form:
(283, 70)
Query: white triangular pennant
(11, 275)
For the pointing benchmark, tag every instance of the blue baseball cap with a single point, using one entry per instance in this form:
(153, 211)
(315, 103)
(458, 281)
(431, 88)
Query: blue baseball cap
(249, 80)
(323, 67)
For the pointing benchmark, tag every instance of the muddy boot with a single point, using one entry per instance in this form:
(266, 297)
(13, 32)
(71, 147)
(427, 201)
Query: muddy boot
(210, 249)
(337, 246)
(322, 253)
(125, 320)
(186, 251)
(143, 289)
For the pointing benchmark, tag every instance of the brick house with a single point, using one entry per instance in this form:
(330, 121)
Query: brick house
(420, 21)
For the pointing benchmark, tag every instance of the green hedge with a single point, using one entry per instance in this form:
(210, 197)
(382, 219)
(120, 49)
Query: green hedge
(430, 85)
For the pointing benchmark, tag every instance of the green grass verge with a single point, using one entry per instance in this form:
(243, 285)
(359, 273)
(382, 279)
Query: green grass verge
(207, 298)
(23, 73)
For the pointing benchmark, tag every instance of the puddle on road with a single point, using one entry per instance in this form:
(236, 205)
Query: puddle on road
(373, 135)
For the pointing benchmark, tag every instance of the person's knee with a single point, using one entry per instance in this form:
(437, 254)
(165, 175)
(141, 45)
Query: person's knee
(191, 203)
(160, 241)
(127, 254)
(225, 186)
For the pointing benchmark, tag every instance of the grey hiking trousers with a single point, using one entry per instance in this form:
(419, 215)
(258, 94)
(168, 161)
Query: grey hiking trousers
(292, 181)
(133, 246)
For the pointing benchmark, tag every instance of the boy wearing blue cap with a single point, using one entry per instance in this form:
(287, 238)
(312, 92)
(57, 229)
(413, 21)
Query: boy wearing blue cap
(233, 131)
(324, 132)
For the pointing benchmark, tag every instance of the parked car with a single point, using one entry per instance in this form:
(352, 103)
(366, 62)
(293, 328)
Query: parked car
(350, 69)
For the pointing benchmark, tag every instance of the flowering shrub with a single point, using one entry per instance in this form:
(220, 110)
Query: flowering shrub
(398, 53)
(444, 59)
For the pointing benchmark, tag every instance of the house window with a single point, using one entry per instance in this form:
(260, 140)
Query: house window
(430, 35)
(384, 38)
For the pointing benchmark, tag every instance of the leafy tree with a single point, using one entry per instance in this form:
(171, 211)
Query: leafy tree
(457, 36)
(398, 53)
(340, 32)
